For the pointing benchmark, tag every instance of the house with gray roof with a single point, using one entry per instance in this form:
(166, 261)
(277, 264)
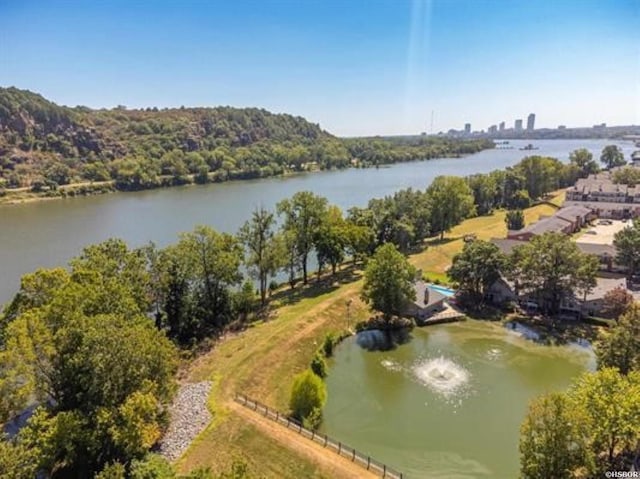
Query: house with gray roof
(428, 302)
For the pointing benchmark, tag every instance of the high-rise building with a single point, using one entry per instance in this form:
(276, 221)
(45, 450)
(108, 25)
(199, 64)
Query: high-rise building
(493, 129)
(501, 126)
(531, 120)
(467, 128)
(518, 125)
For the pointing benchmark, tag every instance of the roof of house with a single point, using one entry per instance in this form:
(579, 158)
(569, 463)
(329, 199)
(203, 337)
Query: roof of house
(572, 212)
(506, 245)
(432, 297)
(604, 285)
(546, 225)
(604, 205)
(597, 249)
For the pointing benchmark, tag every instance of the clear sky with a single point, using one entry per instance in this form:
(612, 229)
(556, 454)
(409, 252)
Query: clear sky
(357, 67)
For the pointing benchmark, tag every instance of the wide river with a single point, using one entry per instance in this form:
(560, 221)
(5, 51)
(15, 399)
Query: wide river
(49, 233)
(449, 403)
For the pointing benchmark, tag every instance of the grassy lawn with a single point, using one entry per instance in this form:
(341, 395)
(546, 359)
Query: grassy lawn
(261, 361)
(435, 260)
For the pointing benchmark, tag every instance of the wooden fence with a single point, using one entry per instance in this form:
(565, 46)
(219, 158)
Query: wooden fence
(338, 447)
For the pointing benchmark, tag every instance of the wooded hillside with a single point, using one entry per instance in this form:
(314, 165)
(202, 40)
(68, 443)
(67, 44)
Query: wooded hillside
(44, 145)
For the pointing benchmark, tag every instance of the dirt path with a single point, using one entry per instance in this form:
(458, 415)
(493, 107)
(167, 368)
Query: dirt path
(335, 466)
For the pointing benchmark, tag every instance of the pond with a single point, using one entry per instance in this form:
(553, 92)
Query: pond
(449, 402)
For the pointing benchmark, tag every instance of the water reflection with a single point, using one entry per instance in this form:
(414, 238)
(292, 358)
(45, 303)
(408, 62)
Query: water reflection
(378, 340)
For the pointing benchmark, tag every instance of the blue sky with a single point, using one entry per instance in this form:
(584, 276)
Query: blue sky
(357, 67)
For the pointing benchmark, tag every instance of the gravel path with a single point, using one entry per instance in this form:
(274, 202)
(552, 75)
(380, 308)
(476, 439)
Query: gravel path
(189, 417)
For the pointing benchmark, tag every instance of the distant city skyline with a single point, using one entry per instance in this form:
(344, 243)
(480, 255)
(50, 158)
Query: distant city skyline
(357, 68)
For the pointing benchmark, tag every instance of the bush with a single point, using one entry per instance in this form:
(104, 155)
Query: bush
(314, 420)
(319, 366)
(328, 344)
(307, 394)
(152, 466)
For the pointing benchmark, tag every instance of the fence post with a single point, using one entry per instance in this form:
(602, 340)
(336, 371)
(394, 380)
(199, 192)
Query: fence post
(384, 470)
(368, 462)
(339, 447)
(313, 435)
(354, 456)
(325, 440)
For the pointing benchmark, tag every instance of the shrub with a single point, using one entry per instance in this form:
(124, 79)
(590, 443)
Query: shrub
(328, 344)
(152, 466)
(314, 420)
(319, 366)
(307, 394)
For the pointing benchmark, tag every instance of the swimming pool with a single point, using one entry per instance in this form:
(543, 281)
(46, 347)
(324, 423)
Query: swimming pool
(441, 289)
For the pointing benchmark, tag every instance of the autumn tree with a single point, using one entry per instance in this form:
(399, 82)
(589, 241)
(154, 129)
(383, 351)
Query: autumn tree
(616, 302)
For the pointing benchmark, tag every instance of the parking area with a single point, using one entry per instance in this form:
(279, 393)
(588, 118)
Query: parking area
(602, 232)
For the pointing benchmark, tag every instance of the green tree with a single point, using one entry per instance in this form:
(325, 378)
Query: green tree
(331, 239)
(514, 220)
(450, 202)
(552, 268)
(485, 189)
(627, 243)
(213, 260)
(619, 347)
(612, 156)
(583, 160)
(16, 460)
(476, 268)
(553, 443)
(541, 175)
(388, 281)
(308, 395)
(610, 403)
(303, 215)
(264, 254)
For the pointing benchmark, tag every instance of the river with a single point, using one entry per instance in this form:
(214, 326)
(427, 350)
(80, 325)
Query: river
(49, 233)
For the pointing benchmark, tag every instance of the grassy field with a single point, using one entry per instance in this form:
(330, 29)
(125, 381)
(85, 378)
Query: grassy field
(435, 260)
(261, 361)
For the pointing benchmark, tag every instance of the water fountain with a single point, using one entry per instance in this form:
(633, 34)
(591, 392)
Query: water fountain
(441, 374)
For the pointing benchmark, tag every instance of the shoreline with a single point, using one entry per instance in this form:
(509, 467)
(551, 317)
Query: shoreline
(108, 187)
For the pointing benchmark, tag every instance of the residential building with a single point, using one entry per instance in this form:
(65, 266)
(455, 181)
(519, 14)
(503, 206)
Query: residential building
(467, 128)
(428, 301)
(501, 126)
(493, 129)
(531, 120)
(518, 125)
(566, 220)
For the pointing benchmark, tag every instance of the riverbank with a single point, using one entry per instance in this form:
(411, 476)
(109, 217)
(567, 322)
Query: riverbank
(17, 196)
(266, 356)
